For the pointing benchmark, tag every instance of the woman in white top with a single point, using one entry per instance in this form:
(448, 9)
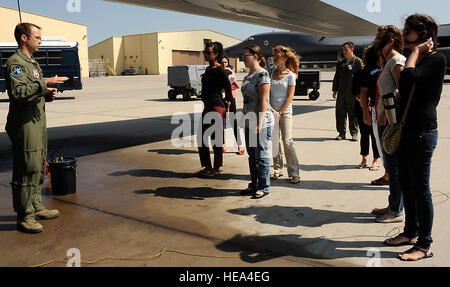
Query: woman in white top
(282, 88)
(389, 44)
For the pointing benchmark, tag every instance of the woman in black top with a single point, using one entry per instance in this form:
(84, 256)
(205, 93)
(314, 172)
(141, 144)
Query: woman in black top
(214, 81)
(426, 69)
(365, 81)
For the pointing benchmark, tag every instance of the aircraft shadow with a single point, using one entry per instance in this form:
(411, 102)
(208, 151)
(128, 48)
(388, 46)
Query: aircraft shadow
(255, 249)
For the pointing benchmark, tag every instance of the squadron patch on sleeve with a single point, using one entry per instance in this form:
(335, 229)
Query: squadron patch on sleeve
(16, 71)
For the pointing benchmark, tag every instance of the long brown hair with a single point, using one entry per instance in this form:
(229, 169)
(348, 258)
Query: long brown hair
(292, 59)
(256, 50)
(386, 33)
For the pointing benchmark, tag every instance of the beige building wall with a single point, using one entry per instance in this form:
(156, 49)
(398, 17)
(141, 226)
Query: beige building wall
(188, 41)
(152, 53)
(51, 27)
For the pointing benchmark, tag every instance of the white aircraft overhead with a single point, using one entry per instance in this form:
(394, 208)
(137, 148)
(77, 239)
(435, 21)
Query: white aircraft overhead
(307, 16)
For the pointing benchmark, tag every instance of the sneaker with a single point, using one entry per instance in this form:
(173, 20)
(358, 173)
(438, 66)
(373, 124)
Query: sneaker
(354, 138)
(29, 225)
(47, 214)
(389, 218)
(340, 137)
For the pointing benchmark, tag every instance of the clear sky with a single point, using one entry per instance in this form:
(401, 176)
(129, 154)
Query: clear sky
(105, 19)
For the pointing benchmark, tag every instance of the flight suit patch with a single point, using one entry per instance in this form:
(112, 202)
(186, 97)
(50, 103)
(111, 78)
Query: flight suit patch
(36, 74)
(16, 71)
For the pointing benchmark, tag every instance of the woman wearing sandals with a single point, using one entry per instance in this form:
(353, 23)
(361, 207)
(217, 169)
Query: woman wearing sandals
(426, 69)
(389, 45)
(282, 88)
(259, 120)
(214, 81)
(225, 62)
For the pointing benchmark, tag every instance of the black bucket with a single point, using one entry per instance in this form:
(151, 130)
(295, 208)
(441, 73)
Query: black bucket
(63, 175)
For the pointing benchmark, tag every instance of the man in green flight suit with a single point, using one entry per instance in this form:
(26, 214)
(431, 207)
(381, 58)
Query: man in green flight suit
(26, 127)
(342, 89)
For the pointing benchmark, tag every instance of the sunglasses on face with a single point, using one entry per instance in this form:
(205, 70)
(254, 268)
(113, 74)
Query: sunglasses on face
(206, 52)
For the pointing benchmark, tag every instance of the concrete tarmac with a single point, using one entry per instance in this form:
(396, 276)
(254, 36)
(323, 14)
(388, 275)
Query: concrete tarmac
(137, 194)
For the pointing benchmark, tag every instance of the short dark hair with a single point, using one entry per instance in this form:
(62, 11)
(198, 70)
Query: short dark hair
(23, 29)
(349, 44)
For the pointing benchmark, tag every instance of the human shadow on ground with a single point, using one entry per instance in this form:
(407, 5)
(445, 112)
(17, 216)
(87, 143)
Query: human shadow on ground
(255, 249)
(173, 151)
(318, 167)
(196, 193)
(326, 185)
(170, 174)
(8, 226)
(313, 139)
(288, 216)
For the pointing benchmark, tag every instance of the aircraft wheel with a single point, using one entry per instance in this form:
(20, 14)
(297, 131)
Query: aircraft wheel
(314, 95)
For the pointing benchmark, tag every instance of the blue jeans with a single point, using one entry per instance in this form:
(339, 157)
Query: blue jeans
(391, 164)
(415, 153)
(259, 158)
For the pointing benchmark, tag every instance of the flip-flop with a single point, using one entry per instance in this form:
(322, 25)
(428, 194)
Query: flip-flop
(276, 175)
(259, 195)
(374, 168)
(414, 249)
(411, 241)
(295, 180)
(362, 165)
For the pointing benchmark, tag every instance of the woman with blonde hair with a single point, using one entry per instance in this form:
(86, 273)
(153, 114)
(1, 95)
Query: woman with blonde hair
(282, 88)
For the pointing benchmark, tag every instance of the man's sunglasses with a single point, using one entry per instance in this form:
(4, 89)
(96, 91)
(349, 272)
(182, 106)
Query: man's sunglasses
(207, 52)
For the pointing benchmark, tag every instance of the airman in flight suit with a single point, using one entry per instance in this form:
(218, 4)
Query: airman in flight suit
(26, 128)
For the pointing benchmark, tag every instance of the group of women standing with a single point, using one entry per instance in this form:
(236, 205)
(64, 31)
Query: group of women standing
(407, 88)
(267, 108)
(268, 97)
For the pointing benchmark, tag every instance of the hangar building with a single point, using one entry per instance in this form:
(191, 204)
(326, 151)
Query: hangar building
(152, 53)
(51, 28)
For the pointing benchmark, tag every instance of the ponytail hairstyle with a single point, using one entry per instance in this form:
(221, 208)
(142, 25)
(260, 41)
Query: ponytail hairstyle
(256, 50)
(217, 48)
(425, 26)
(292, 60)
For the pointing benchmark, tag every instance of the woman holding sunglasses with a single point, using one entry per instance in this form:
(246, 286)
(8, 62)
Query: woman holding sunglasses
(259, 120)
(424, 70)
(214, 81)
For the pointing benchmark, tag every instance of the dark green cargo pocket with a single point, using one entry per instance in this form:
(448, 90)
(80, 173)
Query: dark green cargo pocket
(32, 160)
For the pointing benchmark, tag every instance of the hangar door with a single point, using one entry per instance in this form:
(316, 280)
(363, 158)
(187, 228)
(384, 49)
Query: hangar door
(187, 58)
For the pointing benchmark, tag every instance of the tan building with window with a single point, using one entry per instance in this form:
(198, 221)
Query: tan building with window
(51, 28)
(152, 53)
